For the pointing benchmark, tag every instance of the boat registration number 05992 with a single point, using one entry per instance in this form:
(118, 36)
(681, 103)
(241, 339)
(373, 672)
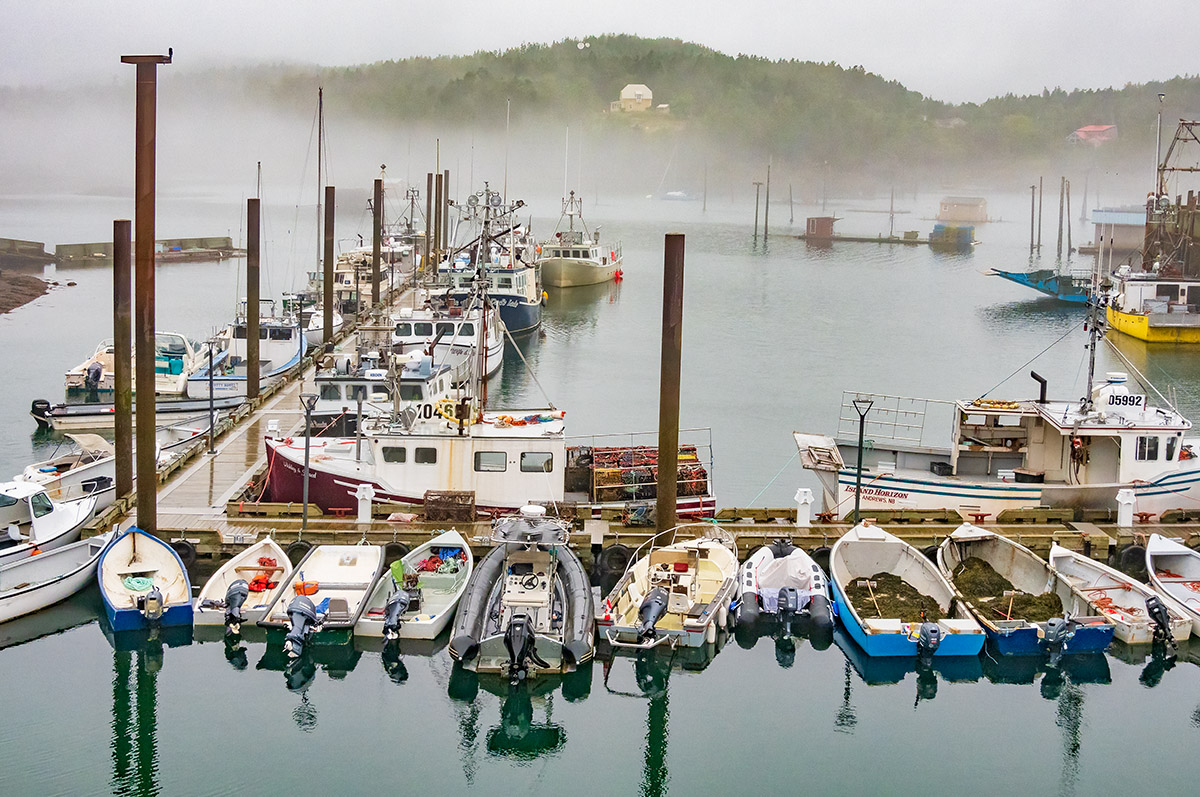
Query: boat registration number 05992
(1118, 400)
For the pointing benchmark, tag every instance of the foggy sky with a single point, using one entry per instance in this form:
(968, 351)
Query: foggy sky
(952, 51)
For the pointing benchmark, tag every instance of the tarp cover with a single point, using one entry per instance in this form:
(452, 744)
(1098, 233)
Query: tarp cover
(775, 574)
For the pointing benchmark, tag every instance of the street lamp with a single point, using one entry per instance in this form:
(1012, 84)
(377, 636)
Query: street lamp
(862, 406)
(309, 401)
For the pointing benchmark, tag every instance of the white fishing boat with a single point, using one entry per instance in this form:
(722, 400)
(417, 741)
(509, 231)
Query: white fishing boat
(343, 378)
(575, 257)
(280, 349)
(87, 468)
(143, 583)
(242, 588)
(314, 326)
(176, 357)
(31, 521)
(678, 594)
(467, 339)
(31, 584)
(1174, 571)
(1128, 603)
(325, 596)
(417, 597)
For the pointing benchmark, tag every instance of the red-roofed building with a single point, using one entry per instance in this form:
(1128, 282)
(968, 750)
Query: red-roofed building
(1094, 135)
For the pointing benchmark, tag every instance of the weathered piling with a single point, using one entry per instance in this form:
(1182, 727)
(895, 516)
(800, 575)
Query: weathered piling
(428, 216)
(445, 240)
(1039, 237)
(144, 169)
(253, 295)
(757, 188)
(439, 204)
(327, 320)
(668, 390)
(122, 357)
(1062, 190)
(767, 206)
(1032, 209)
(376, 239)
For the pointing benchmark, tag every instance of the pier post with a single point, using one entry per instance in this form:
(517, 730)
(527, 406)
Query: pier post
(428, 217)
(253, 295)
(757, 187)
(376, 239)
(1032, 208)
(438, 202)
(1062, 190)
(669, 377)
(327, 320)
(1068, 218)
(122, 357)
(1039, 242)
(767, 206)
(445, 239)
(144, 173)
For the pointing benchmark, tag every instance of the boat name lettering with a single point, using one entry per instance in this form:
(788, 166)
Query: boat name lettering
(1124, 400)
(878, 494)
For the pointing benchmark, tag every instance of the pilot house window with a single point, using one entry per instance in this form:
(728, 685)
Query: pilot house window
(1147, 448)
(1171, 441)
(536, 462)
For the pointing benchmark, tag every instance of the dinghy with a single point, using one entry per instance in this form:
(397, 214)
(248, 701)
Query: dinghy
(144, 583)
(324, 595)
(1072, 627)
(677, 594)
(528, 605)
(864, 553)
(417, 596)
(240, 591)
(36, 582)
(782, 581)
(1138, 614)
(1175, 574)
(30, 521)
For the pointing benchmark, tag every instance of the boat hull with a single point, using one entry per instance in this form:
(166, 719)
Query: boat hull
(1049, 283)
(423, 626)
(1144, 327)
(130, 618)
(901, 644)
(39, 595)
(561, 272)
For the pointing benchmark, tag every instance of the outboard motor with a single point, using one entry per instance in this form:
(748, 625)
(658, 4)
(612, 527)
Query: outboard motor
(522, 648)
(653, 607)
(302, 615)
(235, 596)
(40, 410)
(91, 379)
(1058, 633)
(1162, 622)
(789, 607)
(151, 605)
(396, 606)
(929, 638)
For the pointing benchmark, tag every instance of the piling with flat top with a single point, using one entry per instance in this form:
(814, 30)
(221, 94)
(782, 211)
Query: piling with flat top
(327, 320)
(668, 389)
(445, 239)
(253, 359)
(1039, 243)
(122, 357)
(147, 90)
(376, 239)
(1062, 190)
(1032, 209)
(428, 216)
(439, 203)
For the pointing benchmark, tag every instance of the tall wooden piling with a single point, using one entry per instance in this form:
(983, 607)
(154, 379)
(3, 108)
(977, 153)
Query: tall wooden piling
(253, 357)
(1032, 208)
(1062, 190)
(767, 206)
(1039, 240)
(327, 320)
(445, 239)
(144, 172)
(428, 218)
(438, 201)
(1068, 182)
(668, 390)
(122, 356)
(376, 238)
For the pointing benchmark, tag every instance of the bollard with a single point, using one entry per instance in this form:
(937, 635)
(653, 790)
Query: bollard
(1125, 504)
(365, 493)
(804, 502)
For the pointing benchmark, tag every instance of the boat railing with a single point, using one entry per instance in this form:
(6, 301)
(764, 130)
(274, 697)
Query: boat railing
(899, 419)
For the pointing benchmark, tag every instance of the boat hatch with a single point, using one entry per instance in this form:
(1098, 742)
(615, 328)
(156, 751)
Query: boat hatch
(818, 452)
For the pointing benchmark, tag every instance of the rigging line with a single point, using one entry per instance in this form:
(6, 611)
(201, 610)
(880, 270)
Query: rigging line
(1141, 377)
(299, 194)
(1034, 357)
(529, 370)
(795, 454)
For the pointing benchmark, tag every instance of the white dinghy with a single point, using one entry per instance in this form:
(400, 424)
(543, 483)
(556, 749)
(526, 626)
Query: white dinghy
(1136, 611)
(411, 602)
(31, 521)
(1174, 572)
(241, 590)
(33, 583)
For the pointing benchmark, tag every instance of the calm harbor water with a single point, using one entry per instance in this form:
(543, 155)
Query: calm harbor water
(773, 333)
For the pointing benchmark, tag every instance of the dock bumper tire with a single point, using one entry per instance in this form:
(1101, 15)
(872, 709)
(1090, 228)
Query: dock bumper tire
(186, 552)
(614, 559)
(393, 551)
(297, 549)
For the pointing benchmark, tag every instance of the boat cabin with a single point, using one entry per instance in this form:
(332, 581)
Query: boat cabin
(21, 503)
(1150, 295)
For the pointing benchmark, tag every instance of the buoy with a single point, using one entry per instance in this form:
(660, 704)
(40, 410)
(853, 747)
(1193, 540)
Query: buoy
(710, 633)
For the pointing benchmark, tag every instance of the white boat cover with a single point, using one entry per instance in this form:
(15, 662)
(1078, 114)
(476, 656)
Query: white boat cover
(775, 574)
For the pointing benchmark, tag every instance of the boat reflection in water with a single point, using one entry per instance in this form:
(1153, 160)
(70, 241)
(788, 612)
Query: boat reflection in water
(337, 661)
(79, 609)
(787, 636)
(392, 652)
(578, 308)
(879, 670)
(1157, 658)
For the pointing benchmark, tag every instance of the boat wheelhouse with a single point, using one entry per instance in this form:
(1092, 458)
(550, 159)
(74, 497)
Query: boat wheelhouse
(343, 379)
(1155, 309)
(574, 257)
(460, 337)
(280, 348)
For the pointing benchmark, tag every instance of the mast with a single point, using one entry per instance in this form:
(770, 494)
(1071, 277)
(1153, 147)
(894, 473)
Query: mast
(320, 138)
(1093, 329)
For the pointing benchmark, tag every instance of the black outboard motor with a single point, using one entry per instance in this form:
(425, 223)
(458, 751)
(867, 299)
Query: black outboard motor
(789, 607)
(396, 606)
(235, 596)
(653, 607)
(521, 643)
(1058, 633)
(1162, 622)
(151, 605)
(929, 638)
(91, 379)
(302, 615)
(40, 410)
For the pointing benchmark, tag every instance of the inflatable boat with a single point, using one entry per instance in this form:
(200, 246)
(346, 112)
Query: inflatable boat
(782, 581)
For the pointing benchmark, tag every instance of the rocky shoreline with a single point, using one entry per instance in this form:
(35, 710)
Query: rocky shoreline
(19, 289)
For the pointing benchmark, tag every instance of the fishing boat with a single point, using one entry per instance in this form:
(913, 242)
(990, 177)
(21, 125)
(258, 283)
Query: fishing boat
(33, 522)
(527, 608)
(417, 596)
(280, 348)
(465, 338)
(780, 580)
(311, 317)
(1174, 571)
(863, 554)
(88, 467)
(143, 583)
(79, 417)
(1073, 627)
(31, 584)
(678, 594)
(574, 257)
(242, 588)
(1071, 287)
(1138, 614)
(324, 596)
(176, 357)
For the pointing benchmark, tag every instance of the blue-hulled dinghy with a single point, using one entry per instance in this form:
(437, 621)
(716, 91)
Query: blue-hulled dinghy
(144, 583)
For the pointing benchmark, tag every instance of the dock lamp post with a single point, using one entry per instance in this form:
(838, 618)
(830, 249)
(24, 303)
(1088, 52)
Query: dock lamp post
(309, 401)
(862, 406)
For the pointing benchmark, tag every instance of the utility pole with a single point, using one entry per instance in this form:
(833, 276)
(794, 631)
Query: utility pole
(757, 186)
